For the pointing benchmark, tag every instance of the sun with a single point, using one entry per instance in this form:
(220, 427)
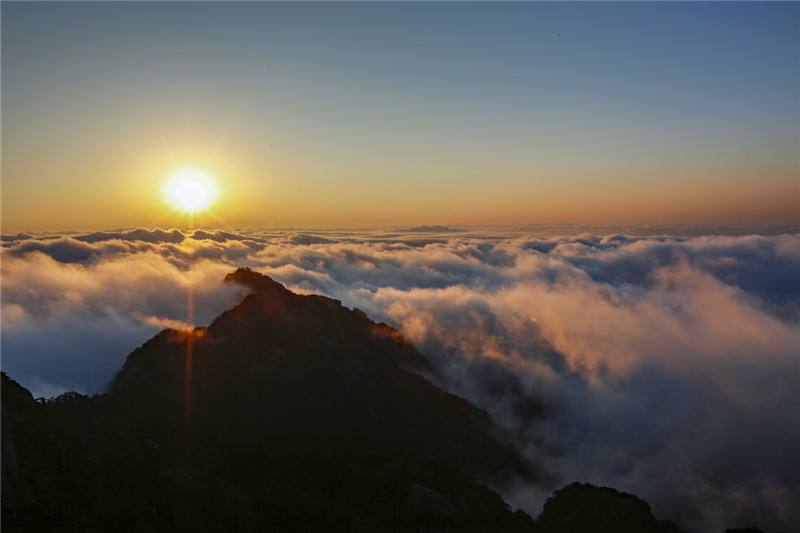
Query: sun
(190, 190)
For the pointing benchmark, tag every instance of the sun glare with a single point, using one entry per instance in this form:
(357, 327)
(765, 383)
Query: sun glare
(190, 190)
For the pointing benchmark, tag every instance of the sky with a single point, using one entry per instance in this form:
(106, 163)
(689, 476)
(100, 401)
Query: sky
(384, 114)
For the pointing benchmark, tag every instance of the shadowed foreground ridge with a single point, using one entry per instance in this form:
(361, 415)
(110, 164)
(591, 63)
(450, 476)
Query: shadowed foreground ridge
(301, 415)
(297, 414)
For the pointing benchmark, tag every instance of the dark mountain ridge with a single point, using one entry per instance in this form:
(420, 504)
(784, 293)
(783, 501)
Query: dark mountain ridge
(288, 413)
(280, 364)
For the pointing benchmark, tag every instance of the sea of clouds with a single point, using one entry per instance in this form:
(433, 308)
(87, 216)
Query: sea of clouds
(660, 361)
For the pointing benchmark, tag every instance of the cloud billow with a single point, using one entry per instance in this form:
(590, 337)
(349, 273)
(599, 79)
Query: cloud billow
(663, 365)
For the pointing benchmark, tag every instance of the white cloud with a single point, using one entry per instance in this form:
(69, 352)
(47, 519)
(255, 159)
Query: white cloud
(666, 366)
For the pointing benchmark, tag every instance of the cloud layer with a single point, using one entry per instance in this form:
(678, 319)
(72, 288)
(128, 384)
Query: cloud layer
(667, 366)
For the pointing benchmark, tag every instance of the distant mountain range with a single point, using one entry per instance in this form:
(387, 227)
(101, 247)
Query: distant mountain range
(287, 413)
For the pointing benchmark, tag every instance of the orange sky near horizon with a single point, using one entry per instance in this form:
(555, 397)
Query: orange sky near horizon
(278, 200)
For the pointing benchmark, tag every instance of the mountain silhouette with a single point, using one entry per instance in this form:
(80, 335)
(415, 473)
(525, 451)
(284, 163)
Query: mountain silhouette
(288, 412)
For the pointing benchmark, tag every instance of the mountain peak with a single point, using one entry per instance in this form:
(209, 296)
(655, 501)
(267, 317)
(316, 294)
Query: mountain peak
(254, 280)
